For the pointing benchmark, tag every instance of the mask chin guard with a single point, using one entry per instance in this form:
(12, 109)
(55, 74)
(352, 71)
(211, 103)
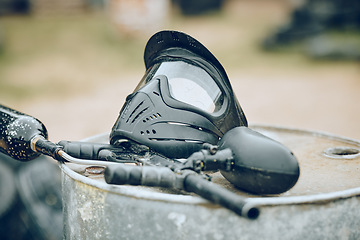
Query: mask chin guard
(183, 101)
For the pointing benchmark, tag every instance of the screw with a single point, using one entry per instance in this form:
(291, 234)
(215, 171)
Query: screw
(95, 170)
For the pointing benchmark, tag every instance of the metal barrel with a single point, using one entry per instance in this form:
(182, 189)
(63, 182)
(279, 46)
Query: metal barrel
(324, 204)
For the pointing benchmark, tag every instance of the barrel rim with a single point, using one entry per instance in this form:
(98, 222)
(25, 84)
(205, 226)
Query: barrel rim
(132, 191)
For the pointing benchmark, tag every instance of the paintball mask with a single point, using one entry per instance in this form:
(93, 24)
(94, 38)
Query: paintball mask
(184, 99)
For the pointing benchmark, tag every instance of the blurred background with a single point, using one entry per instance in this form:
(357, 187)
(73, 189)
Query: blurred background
(71, 64)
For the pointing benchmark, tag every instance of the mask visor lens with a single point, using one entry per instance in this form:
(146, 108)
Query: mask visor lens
(192, 85)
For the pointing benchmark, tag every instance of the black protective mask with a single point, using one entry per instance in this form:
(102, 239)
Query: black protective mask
(184, 99)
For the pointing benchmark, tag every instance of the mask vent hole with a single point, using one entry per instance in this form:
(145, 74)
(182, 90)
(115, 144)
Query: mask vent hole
(133, 112)
(152, 117)
(139, 114)
(156, 93)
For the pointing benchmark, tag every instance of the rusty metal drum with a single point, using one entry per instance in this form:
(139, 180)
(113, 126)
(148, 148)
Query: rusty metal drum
(324, 204)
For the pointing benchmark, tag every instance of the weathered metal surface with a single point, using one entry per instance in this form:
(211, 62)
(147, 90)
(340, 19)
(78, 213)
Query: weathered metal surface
(324, 204)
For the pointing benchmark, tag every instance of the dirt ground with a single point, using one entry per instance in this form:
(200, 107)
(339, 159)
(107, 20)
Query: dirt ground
(86, 87)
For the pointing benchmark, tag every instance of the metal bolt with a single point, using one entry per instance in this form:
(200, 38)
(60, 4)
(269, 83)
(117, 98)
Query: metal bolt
(95, 170)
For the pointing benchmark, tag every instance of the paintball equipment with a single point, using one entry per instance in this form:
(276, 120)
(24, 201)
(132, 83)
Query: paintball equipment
(182, 119)
(158, 170)
(249, 160)
(35, 143)
(261, 164)
(16, 132)
(184, 99)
